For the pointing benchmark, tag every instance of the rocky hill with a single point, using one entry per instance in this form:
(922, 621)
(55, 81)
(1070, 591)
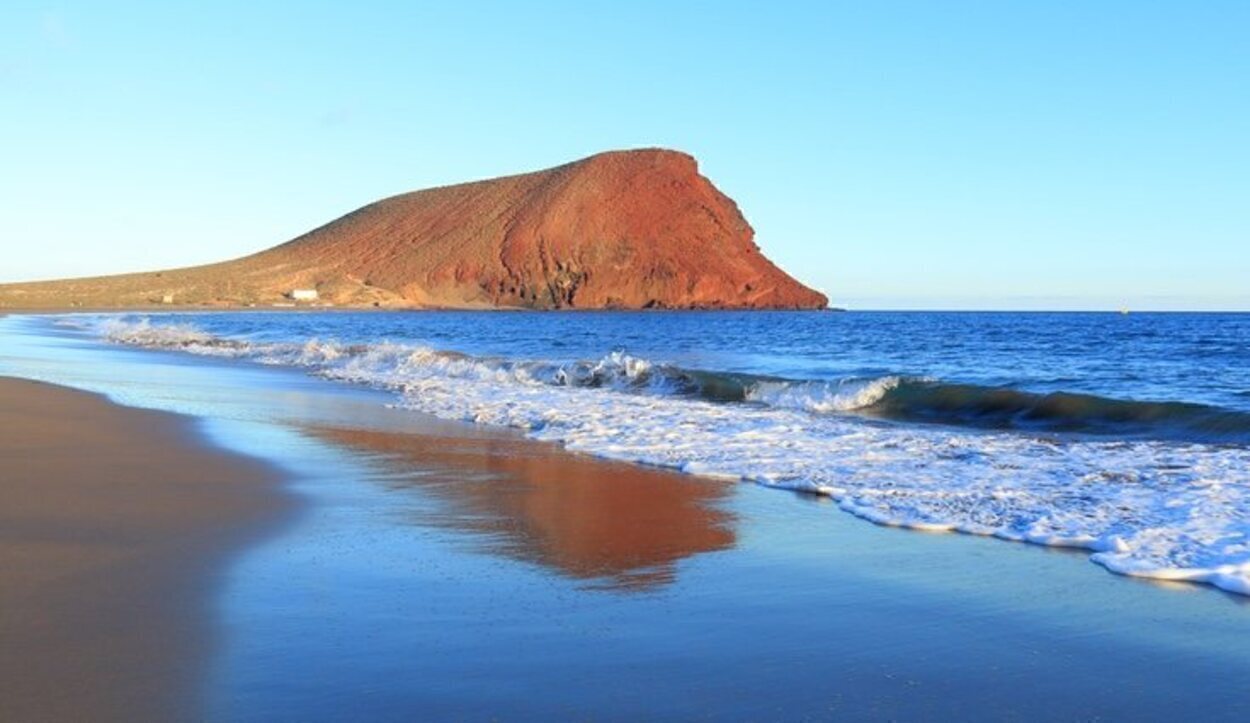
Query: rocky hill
(625, 229)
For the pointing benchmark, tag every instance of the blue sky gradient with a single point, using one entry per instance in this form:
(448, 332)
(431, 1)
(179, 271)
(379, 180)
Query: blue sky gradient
(892, 154)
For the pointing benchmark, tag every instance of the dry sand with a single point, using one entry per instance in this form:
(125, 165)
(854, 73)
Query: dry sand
(113, 523)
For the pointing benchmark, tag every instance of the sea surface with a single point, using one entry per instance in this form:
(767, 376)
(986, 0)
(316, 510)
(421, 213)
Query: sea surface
(1124, 434)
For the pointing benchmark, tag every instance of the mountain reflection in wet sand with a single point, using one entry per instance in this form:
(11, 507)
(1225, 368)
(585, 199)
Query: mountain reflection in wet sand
(615, 525)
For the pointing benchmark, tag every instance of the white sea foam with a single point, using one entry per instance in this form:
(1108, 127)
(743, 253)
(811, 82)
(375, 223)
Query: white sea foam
(823, 397)
(144, 333)
(1165, 510)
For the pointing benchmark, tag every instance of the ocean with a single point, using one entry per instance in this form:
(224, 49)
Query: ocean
(1125, 435)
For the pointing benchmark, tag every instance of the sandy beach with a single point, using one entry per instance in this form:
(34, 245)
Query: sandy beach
(113, 522)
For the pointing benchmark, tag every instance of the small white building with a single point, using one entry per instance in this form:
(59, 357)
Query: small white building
(167, 299)
(304, 294)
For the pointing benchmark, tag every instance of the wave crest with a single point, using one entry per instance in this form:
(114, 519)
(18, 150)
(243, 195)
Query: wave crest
(823, 397)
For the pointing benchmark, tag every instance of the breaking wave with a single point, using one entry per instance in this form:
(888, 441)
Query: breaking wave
(905, 399)
(1154, 489)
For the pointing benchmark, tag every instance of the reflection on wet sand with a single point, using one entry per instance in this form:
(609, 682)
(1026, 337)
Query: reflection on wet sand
(619, 526)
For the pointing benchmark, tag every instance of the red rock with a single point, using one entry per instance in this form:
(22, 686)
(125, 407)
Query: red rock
(626, 229)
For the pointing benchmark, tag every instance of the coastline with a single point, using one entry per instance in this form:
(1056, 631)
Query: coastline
(115, 523)
(310, 308)
(465, 572)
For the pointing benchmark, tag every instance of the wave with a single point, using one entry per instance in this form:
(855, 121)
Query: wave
(1004, 408)
(925, 400)
(897, 398)
(1143, 506)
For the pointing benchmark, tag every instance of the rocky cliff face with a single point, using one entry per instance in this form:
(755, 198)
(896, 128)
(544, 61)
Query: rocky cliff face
(628, 229)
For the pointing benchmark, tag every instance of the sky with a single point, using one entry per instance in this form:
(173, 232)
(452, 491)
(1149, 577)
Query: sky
(1001, 155)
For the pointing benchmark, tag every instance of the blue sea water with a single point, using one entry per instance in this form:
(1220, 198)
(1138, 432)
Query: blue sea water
(1128, 435)
(1182, 357)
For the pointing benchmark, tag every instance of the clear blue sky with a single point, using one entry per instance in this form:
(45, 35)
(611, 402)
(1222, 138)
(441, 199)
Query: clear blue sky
(992, 154)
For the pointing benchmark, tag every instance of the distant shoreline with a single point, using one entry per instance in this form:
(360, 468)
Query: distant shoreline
(157, 309)
(174, 309)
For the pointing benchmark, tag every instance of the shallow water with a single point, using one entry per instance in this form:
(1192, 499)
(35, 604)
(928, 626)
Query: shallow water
(472, 577)
(1125, 435)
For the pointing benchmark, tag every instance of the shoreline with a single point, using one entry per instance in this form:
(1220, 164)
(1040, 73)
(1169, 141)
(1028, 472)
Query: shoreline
(311, 308)
(116, 524)
(1099, 546)
(443, 568)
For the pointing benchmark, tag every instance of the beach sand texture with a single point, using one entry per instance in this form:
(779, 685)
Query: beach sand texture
(112, 522)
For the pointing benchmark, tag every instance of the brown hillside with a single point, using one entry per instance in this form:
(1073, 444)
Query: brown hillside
(627, 229)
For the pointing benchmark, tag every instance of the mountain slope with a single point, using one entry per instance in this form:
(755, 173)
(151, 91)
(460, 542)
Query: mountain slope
(626, 229)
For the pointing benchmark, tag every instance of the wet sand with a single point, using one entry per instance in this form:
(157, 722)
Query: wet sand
(614, 525)
(113, 523)
(478, 578)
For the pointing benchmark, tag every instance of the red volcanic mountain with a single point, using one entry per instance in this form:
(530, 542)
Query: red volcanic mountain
(626, 229)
